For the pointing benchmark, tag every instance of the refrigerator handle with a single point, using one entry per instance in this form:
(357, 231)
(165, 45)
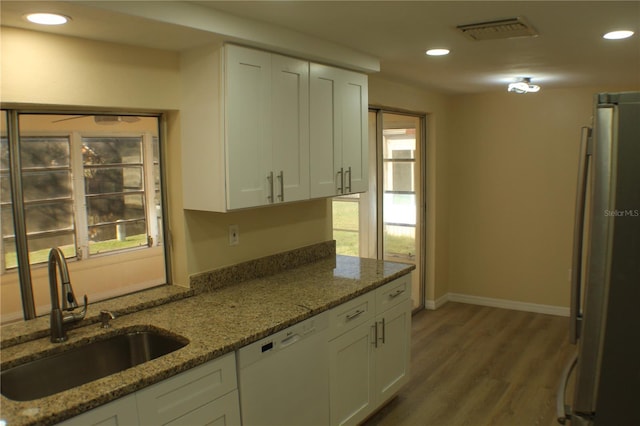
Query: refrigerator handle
(563, 411)
(578, 230)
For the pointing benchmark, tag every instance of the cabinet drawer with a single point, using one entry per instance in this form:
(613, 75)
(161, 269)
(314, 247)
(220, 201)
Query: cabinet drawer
(393, 293)
(185, 392)
(351, 314)
(122, 411)
(224, 411)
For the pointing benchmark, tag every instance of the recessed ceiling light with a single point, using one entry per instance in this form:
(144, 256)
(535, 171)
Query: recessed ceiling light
(47, 18)
(618, 35)
(437, 52)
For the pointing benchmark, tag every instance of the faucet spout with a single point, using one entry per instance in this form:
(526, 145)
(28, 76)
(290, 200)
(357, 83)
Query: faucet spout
(69, 303)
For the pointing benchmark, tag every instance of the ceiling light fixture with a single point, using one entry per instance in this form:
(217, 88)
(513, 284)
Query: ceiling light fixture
(618, 35)
(47, 18)
(437, 52)
(523, 86)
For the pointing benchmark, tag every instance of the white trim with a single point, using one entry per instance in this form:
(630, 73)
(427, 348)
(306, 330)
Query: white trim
(509, 304)
(433, 305)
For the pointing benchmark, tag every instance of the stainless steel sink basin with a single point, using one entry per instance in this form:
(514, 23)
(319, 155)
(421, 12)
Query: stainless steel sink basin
(74, 367)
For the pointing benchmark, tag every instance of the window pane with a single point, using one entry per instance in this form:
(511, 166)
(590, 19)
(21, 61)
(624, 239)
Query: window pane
(346, 242)
(111, 208)
(112, 150)
(4, 147)
(345, 215)
(49, 217)
(400, 208)
(47, 192)
(44, 152)
(7, 240)
(112, 179)
(40, 245)
(118, 236)
(46, 185)
(399, 146)
(115, 194)
(346, 225)
(399, 241)
(398, 176)
(5, 187)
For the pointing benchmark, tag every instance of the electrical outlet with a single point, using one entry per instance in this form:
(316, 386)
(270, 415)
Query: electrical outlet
(234, 235)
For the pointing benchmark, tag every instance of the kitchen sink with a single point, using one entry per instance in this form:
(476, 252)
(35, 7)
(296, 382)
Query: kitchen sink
(55, 373)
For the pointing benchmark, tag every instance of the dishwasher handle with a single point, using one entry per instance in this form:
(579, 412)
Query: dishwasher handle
(289, 340)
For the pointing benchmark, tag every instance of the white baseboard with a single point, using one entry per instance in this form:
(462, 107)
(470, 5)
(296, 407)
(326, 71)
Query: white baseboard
(435, 304)
(498, 303)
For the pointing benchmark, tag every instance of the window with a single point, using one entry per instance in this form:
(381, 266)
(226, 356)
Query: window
(91, 186)
(346, 229)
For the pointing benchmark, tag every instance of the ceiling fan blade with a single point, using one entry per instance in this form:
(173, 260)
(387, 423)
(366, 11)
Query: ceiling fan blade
(130, 118)
(68, 118)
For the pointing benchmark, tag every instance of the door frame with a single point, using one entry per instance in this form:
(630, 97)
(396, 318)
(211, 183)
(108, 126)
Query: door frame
(421, 219)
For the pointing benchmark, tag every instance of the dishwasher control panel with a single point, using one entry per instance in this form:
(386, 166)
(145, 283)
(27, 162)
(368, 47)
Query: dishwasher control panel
(281, 340)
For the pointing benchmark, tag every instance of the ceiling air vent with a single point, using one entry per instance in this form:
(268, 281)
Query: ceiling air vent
(503, 28)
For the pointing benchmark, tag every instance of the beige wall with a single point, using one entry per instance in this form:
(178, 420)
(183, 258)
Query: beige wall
(39, 68)
(512, 169)
(500, 169)
(44, 69)
(400, 96)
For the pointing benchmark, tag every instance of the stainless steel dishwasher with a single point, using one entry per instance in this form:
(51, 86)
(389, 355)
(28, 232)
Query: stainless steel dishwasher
(284, 378)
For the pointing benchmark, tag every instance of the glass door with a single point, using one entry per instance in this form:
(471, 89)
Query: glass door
(400, 171)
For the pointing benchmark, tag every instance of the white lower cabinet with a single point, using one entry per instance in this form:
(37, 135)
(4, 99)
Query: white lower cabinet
(369, 361)
(121, 412)
(369, 350)
(204, 395)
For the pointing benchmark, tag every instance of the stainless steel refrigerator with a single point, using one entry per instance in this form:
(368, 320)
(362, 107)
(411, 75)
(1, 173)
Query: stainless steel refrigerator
(605, 293)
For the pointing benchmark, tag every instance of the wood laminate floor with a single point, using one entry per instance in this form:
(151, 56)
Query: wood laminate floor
(476, 365)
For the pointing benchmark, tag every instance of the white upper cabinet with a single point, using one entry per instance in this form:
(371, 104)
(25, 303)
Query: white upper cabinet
(338, 124)
(248, 127)
(246, 135)
(290, 128)
(266, 129)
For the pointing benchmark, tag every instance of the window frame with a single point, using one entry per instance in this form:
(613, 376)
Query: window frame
(156, 225)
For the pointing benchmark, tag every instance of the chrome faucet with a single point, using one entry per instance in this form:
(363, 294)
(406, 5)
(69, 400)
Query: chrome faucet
(69, 303)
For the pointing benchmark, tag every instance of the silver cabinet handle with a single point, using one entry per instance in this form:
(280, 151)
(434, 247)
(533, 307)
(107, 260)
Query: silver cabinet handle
(281, 177)
(270, 180)
(355, 314)
(563, 412)
(384, 330)
(396, 293)
(375, 335)
(348, 188)
(341, 181)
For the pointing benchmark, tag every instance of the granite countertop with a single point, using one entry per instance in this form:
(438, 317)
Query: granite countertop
(215, 322)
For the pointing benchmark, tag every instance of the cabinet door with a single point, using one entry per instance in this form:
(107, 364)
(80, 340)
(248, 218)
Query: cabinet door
(247, 127)
(355, 146)
(183, 395)
(393, 351)
(325, 111)
(290, 113)
(121, 412)
(350, 376)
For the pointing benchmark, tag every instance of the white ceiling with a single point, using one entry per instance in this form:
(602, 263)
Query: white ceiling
(568, 52)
